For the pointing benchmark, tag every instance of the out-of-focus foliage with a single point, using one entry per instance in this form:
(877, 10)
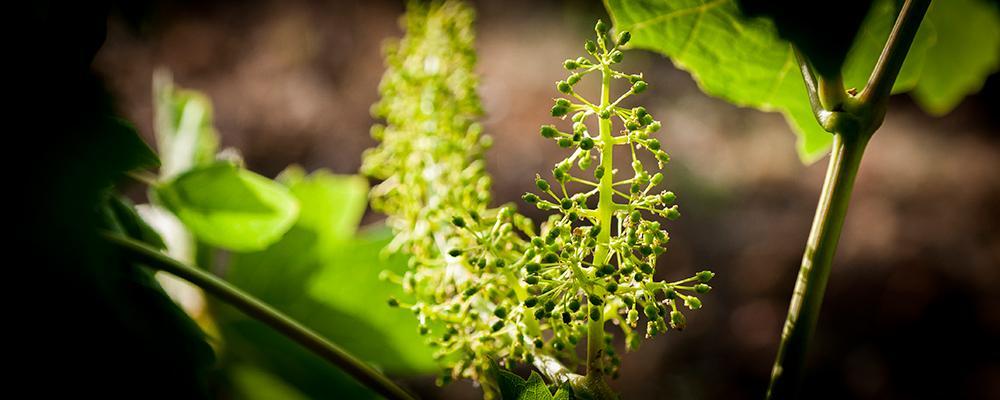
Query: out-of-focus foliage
(292, 243)
(746, 61)
(227, 206)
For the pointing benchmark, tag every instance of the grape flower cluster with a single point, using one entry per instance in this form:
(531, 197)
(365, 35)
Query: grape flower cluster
(487, 286)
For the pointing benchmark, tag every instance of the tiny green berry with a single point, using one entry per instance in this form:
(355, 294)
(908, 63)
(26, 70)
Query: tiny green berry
(595, 313)
(500, 312)
(571, 64)
(393, 302)
(702, 288)
(541, 183)
(611, 287)
(601, 27)
(624, 37)
(559, 111)
(455, 252)
(531, 302)
(530, 198)
(595, 299)
(497, 326)
(651, 312)
(705, 276)
(531, 280)
(549, 131)
(617, 56)
(566, 204)
(458, 221)
(653, 144)
(565, 142)
(533, 268)
(590, 46)
(587, 143)
(639, 87)
(574, 305)
(564, 87)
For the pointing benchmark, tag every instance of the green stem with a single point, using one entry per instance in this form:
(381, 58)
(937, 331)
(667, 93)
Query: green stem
(860, 118)
(845, 158)
(257, 309)
(605, 209)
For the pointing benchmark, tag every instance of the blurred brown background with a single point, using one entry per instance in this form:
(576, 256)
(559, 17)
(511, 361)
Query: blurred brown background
(913, 305)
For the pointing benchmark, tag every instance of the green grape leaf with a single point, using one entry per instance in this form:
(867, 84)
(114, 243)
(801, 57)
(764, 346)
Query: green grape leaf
(318, 255)
(360, 262)
(185, 133)
(966, 51)
(746, 61)
(513, 387)
(229, 207)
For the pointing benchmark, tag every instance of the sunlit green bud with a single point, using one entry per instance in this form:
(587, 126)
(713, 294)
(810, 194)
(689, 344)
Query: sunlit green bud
(497, 326)
(632, 317)
(587, 143)
(541, 183)
(530, 198)
(567, 317)
(654, 126)
(668, 198)
(532, 268)
(481, 263)
(531, 280)
(455, 252)
(639, 86)
(566, 204)
(565, 142)
(579, 116)
(573, 79)
(539, 343)
(393, 302)
(624, 37)
(594, 231)
(531, 302)
(611, 287)
(550, 258)
(651, 312)
(645, 250)
(590, 46)
(595, 299)
(653, 144)
(500, 312)
(470, 291)
(474, 215)
(559, 111)
(562, 102)
(656, 179)
(646, 268)
(585, 161)
(574, 305)
(537, 241)
(500, 263)
(636, 166)
(558, 345)
(423, 329)
(549, 131)
(617, 56)
(601, 27)
(702, 288)
(604, 113)
(639, 112)
(599, 172)
(607, 269)
(705, 276)
(662, 156)
(564, 87)
(635, 216)
(692, 303)
(559, 174)
(540, 313)
(577, 136)
(669, 293)
(631, 124)
(646, 119)
(677, 320)
(595, 313)
(549, 306)
(628, 300)
(673, 213)
(571, 64)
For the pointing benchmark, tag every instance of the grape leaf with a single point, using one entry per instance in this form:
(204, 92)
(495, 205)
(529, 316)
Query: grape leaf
(513, 387)
(965, 52)
(229, 207)
(321, 274)
(746, 62)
